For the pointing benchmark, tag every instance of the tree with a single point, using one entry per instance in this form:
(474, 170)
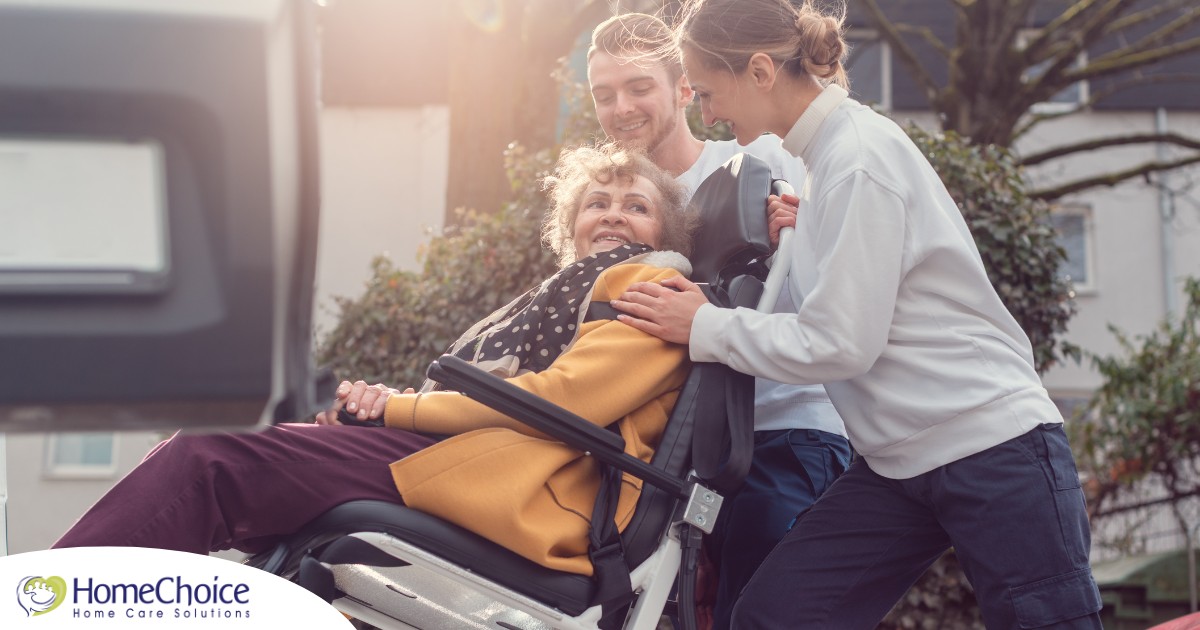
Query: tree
(502, 89)
(481, 260)
(1145, 419)
(996, 71)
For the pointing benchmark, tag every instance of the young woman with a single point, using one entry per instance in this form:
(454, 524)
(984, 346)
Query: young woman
(960, 443)
(611, 209)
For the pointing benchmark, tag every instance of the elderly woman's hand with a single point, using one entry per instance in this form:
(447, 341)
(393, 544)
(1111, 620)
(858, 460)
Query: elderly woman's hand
(366, 402)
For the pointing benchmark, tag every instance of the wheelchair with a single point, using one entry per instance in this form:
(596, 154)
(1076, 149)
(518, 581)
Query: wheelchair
(395, 567)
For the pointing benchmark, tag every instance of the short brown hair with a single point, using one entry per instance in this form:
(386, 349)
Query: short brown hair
(640, 37)
(577, 168)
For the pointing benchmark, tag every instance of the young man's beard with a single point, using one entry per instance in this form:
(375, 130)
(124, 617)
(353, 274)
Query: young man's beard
(652, 143)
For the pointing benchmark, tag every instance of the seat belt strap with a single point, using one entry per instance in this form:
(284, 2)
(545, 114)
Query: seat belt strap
(605, 548)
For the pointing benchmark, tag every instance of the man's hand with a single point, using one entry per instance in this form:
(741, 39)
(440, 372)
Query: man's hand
(664, 310)
(781, 213)
(367, 402)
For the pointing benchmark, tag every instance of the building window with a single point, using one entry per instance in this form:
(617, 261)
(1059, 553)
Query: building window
(870, 68)
(1073, 222)
(1071, 97)
(81, 455)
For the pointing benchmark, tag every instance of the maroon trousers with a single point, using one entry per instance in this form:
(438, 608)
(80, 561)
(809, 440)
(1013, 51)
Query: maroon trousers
(202, 493)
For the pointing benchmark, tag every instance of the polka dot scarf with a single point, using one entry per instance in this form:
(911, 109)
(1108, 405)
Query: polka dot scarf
(529, 333)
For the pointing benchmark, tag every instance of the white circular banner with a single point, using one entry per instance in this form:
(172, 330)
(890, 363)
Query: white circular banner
(130, 588)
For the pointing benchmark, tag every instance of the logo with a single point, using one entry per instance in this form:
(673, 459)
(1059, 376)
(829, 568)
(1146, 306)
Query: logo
(118, 588)
(39, 595)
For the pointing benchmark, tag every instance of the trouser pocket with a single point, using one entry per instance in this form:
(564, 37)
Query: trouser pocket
(1056, 599)
(1059, 457)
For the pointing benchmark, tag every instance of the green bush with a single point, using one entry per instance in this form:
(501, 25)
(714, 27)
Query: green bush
(1145, 417)
(404, 320)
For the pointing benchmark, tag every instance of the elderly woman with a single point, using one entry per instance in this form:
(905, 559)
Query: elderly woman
(611, 210)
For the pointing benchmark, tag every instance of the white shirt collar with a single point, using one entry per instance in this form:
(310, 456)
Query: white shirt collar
(797, 140)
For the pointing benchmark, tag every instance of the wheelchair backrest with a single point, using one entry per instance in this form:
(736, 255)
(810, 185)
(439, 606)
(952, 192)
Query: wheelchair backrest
(732, 234)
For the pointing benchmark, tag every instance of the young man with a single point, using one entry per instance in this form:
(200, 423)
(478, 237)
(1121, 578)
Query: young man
(800, 446)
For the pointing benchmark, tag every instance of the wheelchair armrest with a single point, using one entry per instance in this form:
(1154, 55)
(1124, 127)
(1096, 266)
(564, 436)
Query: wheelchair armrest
(548, 418)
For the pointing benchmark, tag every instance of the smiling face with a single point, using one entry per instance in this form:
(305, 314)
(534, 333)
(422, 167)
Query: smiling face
(637, 104)
(617, 213)
(725, 96)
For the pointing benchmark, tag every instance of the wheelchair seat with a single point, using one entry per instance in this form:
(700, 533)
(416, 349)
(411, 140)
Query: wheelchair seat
(396, 567)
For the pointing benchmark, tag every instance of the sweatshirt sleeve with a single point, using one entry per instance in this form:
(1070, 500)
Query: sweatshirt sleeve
(843, 323)
(610, 371)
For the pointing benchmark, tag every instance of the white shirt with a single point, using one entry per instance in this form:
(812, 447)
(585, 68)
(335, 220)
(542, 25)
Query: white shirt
(920, 356)
(776, 405)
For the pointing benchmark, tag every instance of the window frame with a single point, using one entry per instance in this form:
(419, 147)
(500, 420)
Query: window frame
(860, 35)
(1088, 230)
(54, 470)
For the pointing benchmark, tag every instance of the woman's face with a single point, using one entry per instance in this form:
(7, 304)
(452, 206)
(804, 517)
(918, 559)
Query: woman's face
(617, 213)
(725, 96)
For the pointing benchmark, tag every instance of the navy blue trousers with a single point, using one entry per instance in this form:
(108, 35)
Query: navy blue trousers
(1014, 514)
(790, 469)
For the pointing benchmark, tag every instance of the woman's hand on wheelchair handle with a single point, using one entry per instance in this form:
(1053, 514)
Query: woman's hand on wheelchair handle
(781, 213)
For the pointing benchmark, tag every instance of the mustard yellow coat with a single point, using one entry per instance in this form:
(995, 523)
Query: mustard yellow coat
(507, 483)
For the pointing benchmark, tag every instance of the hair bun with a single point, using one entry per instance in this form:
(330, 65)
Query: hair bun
(821, 47)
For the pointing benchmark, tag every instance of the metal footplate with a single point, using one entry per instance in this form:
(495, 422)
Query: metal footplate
(428, 592)
(701, 508)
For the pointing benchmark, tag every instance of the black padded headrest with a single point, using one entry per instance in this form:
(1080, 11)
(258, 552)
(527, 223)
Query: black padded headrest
(732, 204)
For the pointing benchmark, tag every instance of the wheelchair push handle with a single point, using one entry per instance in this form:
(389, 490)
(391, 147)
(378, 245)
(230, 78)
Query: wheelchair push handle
(347, 418)
(773, 286)
(606, 446)
(782, 187)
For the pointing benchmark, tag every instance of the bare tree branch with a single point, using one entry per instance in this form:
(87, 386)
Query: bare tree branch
(1063, 55)
(1081, 17)
(909, 58)
(1145, 15)
(1159, 37)
(1111, 179)
(1013, 12)
(926, 34)
(1033, 120)
(1065, 51)
(1096, 96)
(1100, 513)
(1111, 64)
(1103, 143)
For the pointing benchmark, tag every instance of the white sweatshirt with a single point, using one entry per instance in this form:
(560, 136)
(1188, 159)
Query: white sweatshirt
(898, 318)
(776, 405)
